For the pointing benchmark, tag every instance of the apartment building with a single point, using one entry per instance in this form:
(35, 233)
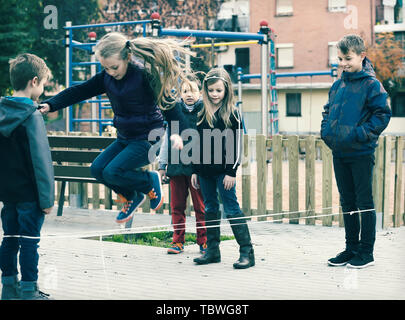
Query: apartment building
(390, 17)
(305, 34)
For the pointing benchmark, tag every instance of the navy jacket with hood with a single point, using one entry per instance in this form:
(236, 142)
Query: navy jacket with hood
(356, 113)
(165, 155)
(26, 171)
(223, 156)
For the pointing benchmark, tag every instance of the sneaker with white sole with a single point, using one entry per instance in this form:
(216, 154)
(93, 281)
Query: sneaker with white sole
(341, 259)
(156, 194)
(176, 248)
(361, 260)
(127, 211)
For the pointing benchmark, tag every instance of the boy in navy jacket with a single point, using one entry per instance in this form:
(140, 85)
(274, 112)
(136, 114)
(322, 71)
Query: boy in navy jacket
(354, 117)
(26, 177)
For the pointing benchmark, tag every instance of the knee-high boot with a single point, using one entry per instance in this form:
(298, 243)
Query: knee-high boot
(242, 236)
(212, 253)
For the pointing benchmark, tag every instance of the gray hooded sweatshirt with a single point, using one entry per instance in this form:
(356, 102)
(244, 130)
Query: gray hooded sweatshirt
(26, 171)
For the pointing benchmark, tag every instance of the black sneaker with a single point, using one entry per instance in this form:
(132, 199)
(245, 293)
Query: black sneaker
(341, 259)
(361, 260)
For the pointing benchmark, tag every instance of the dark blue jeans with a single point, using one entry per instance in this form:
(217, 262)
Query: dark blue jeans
(24, 219)
(114, 167)
(210, 187)
(354, 182)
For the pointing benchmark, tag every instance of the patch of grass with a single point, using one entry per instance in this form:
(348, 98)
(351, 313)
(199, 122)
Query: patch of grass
(155, 239)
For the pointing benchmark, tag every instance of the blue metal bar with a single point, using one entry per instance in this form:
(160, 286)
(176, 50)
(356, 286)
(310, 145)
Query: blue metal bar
(212, 34)
(251, 76)
(96, 101)
(70, 108)
(304, 74)
(80, 44)
(289, 75)
(93, 120)
(109, 24)
(84, 63)
(144, 29)
(84, 46)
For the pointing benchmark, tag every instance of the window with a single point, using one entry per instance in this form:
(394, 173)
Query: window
(398, 12)
(398, 105)
(285, 55)
(242, 60)
(332, 54)
(293, 104)
(284, 8)
(337, 5)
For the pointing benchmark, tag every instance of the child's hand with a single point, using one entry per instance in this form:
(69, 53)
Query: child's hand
(44, 108)
(163, 175)
(194, 181)
(229, 182)
(47, 210)
(177, 141)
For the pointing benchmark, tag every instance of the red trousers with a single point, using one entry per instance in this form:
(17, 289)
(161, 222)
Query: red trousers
(179, 186)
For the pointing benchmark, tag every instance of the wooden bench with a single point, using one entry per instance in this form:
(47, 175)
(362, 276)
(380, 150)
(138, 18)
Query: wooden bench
(78, 152)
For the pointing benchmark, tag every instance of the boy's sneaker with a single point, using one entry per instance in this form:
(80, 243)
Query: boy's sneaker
(203, 248)
(361, 260)
(176, 248)
(127, 212)
(30, 291)
(156, 194)
(341, 259)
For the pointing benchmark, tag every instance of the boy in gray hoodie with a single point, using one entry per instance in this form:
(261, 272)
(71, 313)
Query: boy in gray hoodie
(26, 177)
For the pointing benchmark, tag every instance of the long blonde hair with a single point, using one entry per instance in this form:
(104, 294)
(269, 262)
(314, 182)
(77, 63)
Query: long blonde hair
(227, 108)
(165, 71)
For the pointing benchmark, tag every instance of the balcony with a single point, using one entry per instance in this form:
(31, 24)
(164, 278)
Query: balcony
(389, 19)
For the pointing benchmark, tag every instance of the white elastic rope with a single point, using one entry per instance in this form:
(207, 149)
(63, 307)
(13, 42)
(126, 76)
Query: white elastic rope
(158, 228)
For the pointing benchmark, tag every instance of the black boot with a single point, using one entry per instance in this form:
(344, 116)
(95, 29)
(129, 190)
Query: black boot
(242, 236)
(11, 288)
(212, 253)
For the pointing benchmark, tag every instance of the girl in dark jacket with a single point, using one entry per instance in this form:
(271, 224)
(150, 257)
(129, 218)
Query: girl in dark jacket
(220, 129)
(180, 172)
(136, 90)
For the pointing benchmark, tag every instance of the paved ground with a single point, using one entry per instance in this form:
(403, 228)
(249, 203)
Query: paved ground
(290, 264)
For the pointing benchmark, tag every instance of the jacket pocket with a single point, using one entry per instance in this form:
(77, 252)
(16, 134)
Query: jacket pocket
(346, 137)
(327, 135)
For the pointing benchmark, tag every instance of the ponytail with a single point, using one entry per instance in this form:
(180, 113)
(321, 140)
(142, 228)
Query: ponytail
(165, 70)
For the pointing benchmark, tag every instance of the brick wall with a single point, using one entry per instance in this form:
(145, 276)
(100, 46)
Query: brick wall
(310, 28)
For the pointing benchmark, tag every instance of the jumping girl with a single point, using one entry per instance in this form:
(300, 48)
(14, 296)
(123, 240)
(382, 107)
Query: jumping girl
(139, 77)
